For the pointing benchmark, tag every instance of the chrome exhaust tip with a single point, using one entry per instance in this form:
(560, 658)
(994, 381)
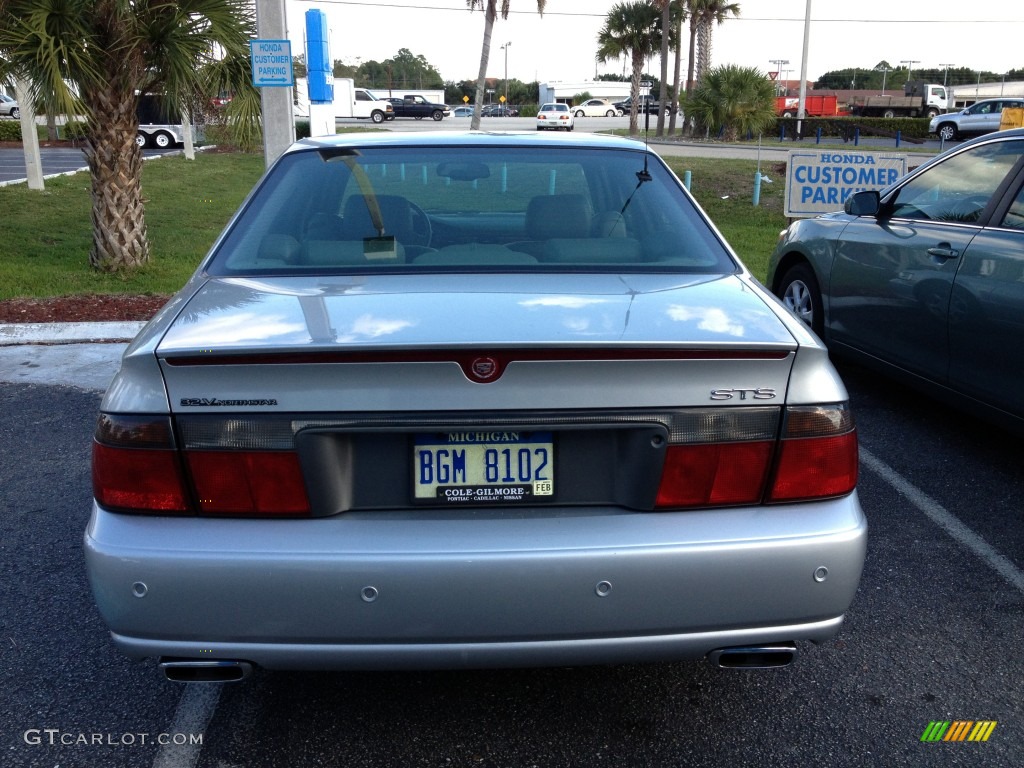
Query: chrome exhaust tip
(754, 656)
(205, 670)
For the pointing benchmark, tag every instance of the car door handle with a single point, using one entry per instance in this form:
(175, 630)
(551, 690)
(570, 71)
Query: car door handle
(943, 251)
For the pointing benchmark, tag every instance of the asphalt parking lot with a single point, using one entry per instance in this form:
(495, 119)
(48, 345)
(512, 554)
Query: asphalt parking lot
(933, 635)
(58, 160)
(54, 160)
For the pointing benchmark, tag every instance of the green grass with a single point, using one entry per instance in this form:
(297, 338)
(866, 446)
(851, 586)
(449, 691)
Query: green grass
(46, 235)
(725, 190)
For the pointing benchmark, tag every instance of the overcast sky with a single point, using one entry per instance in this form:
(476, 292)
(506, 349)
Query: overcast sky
(561, 45)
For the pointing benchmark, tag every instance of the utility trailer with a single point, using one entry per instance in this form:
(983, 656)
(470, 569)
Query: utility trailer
(160, 124)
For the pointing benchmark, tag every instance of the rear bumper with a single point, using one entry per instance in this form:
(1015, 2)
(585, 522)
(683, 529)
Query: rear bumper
(490, 655)
(400, 591)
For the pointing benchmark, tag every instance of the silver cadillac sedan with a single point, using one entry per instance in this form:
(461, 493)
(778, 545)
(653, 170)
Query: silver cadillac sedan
(457, 400)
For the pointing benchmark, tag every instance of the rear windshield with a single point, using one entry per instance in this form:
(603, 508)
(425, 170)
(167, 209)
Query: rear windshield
(469, 209)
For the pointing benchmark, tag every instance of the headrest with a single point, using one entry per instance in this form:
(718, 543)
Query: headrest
(550, 216)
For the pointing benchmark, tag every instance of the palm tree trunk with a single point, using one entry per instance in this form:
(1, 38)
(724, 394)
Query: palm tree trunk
(690, 56)
(703, 49)
(666, 20)
(490, 14)
(634, 91)
(675, 77)
(115, 165)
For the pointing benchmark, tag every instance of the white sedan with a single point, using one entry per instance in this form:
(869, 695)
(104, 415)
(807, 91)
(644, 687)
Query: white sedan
(9, 106)
(596, 108)
(554, 117)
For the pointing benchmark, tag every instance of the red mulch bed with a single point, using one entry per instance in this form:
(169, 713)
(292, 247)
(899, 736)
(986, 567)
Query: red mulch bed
(81, 309)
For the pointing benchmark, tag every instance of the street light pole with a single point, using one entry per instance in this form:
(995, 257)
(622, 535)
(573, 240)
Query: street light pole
(505, 49)
(885, 72)
(945, 73)
(910, 64)
(801, 106)
(778, 73)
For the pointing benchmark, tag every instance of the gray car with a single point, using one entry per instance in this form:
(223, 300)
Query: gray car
(981, 117)
(467, 399)
(925, 280)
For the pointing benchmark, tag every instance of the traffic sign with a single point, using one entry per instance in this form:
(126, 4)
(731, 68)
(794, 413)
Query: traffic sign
(271, 63)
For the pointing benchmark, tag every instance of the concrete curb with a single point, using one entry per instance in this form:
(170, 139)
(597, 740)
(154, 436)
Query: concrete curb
(15, 334)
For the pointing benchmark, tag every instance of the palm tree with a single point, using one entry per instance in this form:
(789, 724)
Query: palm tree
(702, 14)
(490, 14)
(672, 15)
(737, 100)
(679, 9)
(630, 30)
(94, 58)
(666, 17)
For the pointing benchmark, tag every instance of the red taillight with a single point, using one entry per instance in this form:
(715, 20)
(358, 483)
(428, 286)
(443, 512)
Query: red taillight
(815, 467)
(137, 467)
(248, 482)
(714, 474)
(143, 480)
(730, 459)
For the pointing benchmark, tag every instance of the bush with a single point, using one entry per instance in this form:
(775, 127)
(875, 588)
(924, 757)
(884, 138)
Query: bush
(10, 130)
(845, 127)
(302, 129)
(733, 101)
(219, 135)
(73, 130)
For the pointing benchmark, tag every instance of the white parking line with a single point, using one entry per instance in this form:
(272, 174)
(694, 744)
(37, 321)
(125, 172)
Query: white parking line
(945, 520)
(195, 710)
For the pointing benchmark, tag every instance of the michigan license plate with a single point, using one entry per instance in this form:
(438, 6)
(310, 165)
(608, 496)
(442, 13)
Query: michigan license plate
(483, 467)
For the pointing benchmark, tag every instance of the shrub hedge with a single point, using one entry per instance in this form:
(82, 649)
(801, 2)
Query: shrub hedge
(73, 130)
(845, 127)
(10, 130)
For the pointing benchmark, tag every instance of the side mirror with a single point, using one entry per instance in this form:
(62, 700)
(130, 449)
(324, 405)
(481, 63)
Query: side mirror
(866, 203)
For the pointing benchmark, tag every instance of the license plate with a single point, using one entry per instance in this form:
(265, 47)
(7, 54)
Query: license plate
(483, 467)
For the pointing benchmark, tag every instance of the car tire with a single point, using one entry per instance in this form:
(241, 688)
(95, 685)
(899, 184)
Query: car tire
(801, 294)
(610, 113)
(578, 113)
(141, 140)
(437, 115)
(15, 113)
(947, 132)
(931, 112)
(889, 113)
(377, 116)
(163, 140)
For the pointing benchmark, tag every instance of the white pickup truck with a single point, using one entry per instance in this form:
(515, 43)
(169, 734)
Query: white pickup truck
(366, 105)
(349, 101)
